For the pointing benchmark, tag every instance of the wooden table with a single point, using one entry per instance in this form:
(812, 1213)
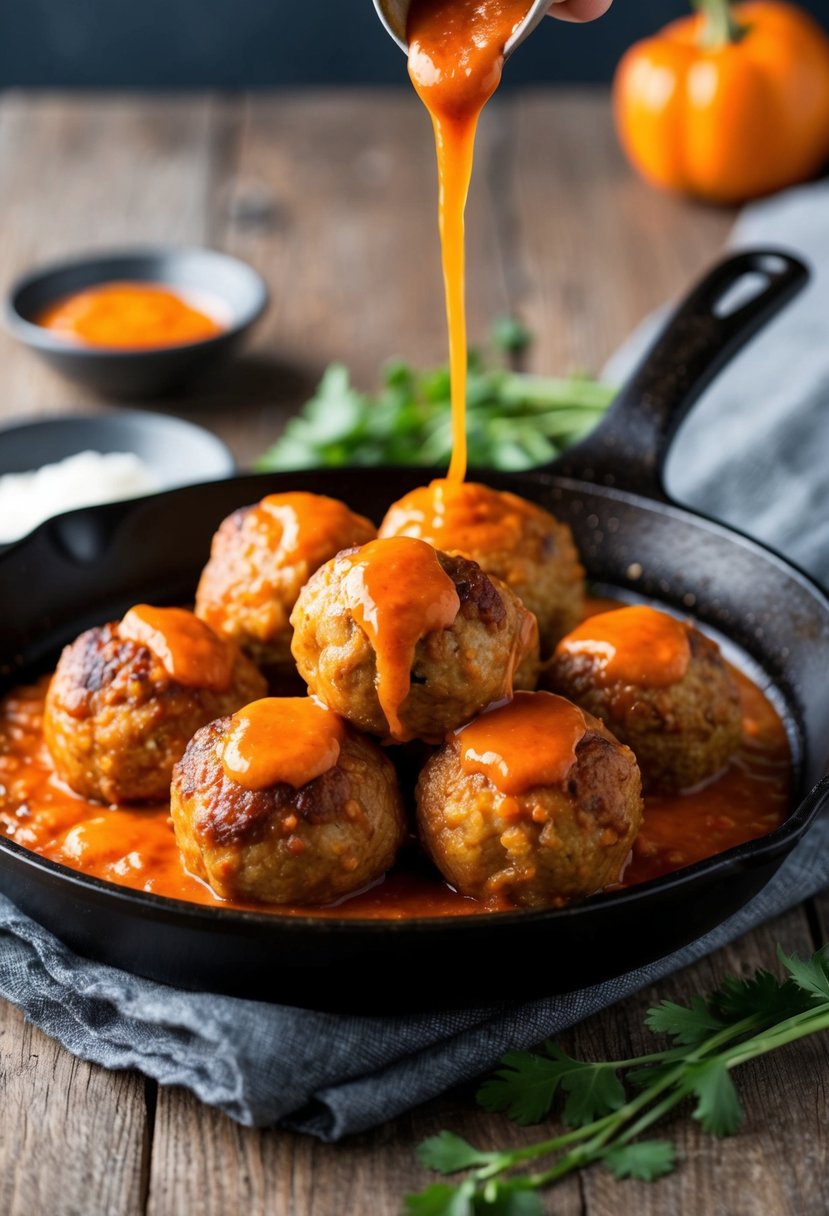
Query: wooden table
(331, 196)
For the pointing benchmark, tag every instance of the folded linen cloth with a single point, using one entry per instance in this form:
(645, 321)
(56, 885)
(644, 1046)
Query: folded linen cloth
(333, 1075)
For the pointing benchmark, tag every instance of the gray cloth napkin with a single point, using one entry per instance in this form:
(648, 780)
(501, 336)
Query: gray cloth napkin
(333, 1075)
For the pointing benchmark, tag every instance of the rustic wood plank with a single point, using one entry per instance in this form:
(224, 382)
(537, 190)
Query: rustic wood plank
(779, 1161)
(205, 1162)
(776, 1165)
(73, 1138)
(595, 249)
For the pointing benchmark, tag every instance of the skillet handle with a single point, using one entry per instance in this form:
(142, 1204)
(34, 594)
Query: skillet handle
(723, 312)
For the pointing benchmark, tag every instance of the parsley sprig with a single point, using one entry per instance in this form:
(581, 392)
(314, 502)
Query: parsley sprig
(515, 421)
(609, 1106)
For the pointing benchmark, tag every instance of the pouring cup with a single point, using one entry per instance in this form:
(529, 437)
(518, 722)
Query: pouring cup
(394, 15)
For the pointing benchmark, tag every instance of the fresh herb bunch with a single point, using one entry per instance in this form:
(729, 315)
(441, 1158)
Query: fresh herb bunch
(610, 1105)
(514, 421)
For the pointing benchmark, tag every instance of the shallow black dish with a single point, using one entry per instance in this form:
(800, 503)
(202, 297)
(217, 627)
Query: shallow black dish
(135, 374)
(179, 453)
(90, 566)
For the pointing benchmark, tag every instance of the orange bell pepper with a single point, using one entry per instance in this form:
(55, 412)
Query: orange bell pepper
(729, 104)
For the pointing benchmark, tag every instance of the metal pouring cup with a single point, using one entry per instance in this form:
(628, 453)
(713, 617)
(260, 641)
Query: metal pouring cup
(394, 15)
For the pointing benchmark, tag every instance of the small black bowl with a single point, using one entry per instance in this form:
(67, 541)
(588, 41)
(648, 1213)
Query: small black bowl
(137, 373)
(178, 453)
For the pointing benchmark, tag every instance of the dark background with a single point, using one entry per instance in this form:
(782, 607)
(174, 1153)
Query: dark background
(261, 43)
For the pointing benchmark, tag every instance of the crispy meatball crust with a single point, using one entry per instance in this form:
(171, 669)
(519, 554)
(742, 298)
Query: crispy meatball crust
(282, 845)
(541, 849)
(251, 582)
(511, 539)
(115, 722)
(682, 734)
(456, 672)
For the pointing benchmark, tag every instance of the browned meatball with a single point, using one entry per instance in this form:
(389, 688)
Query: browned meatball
(535, 803)
(260, 559)
(660, 685)
(117, 720)
(509, 537)
(282, 844)
(410, 676)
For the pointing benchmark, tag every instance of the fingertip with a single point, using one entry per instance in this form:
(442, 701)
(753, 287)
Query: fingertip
(579, 10)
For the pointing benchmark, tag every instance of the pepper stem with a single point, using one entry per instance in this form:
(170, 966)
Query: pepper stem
(720, 27)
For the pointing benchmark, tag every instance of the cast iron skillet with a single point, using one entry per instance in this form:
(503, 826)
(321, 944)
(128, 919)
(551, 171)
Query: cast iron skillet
(89, 566)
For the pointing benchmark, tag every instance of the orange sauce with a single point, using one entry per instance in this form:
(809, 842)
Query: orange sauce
(129, 316)
(456, 54)
(187, 649)
(306, 524)
(137, 848)
(635, 645)
(530, 742)
(281, 739)
(750, 799)
(398, 593)
(462, 515)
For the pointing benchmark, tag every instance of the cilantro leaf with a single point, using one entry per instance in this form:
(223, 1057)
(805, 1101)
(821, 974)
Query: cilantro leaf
(448, 1153)
(811, 975)
(525, 1087)
(718, 1108)
(442, 1199)
(645, 1160)
(688, 1025)
(762, 996)
(594, 1090)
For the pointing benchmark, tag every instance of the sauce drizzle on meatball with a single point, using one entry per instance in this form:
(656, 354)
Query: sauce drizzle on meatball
(636, 645)
(398, 593)
(186, 647)
(462, 515)
(514, 539)
(301, 525)
(528, 743)
(281, 739)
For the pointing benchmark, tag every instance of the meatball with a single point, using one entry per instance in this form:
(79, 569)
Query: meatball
(535, 802)
(126, 698)
(311, 842)
(260, 559)
(407, 642)
(509, 537)
(660, 685)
